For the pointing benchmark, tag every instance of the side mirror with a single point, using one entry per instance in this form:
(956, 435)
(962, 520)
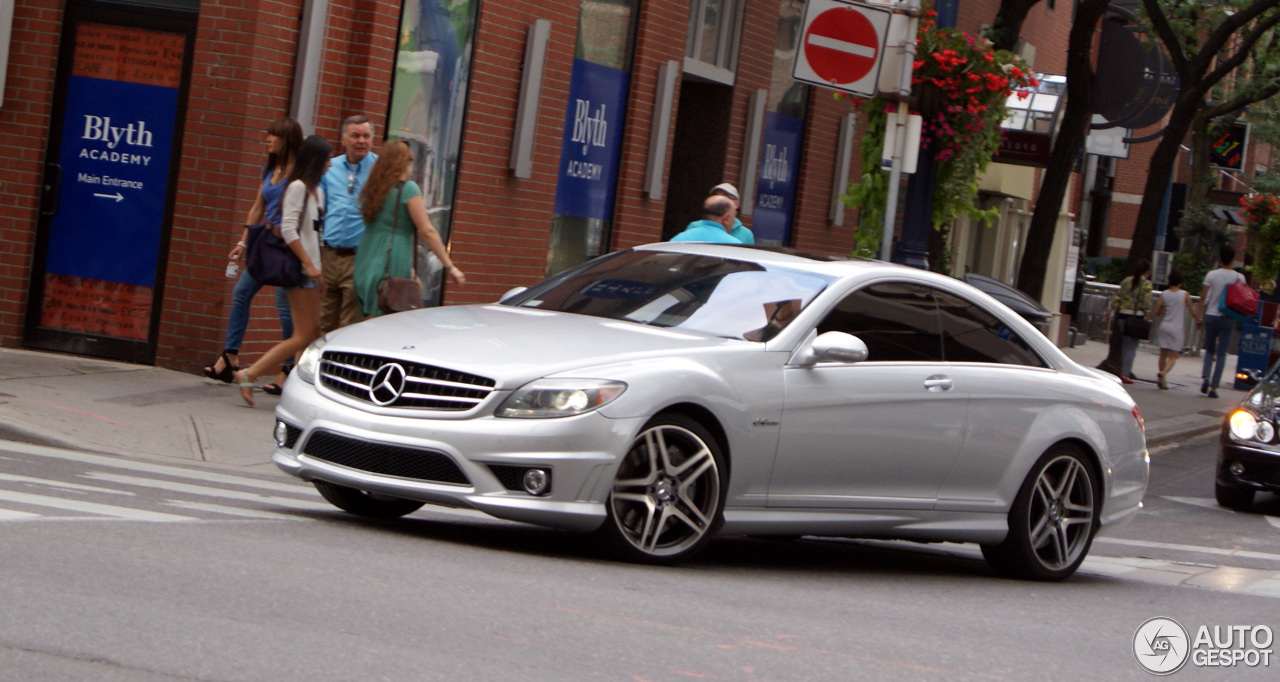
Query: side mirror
(512, 292)
(831, 347)
(839, 347)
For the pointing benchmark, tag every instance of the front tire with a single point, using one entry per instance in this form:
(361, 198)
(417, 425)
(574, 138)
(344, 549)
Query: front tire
(365, 504)
(1053, 520)
(668, 495)
(1231, 497)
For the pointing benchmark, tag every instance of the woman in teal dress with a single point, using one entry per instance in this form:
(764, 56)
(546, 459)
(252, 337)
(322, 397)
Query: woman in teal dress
(390, 191)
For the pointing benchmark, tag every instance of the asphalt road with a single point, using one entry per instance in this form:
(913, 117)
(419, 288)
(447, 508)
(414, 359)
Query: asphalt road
(119, 569)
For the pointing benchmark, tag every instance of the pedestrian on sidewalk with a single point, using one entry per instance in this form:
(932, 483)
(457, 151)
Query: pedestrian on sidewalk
(1132, 303)
(393, 211)
(739, 231)
(284, 137)
(1171, 308)
(1217, 327)
(716, 225)
(343, 223)
(299, 214)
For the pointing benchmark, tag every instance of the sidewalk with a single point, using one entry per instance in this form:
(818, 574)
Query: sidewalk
(139, 411)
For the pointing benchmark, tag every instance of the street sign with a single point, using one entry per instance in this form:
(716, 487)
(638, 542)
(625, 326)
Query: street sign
(1226, 150)
(842, 45)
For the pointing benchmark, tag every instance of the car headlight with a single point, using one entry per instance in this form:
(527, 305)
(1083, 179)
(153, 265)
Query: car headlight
(547, 398)
(309, 364)
(1244, 426)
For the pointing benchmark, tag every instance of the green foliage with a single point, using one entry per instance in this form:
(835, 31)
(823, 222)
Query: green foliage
(1262, 225)
(963, 85)
(1193, 269)
(1113, 271)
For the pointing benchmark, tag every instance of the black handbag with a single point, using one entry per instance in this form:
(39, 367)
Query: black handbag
(1137, 327)
(269, 259)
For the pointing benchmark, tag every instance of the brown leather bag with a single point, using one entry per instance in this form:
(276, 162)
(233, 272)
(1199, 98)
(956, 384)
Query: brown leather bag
(398, 294)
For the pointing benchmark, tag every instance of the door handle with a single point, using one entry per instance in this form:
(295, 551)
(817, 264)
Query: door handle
(937, 384)
(52, 186)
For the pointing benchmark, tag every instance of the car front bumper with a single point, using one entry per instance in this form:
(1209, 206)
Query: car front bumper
(581, 454)
(1261, 466)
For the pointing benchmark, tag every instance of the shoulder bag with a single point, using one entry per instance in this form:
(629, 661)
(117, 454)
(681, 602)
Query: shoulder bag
(269, 259)
(1239, 301)
(398, 294)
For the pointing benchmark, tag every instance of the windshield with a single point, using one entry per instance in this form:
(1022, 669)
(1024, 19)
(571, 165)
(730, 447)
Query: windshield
(717, 296)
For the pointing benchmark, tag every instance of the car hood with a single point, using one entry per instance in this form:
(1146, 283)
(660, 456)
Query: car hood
(516, 345)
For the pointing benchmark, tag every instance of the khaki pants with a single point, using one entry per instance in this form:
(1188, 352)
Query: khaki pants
(339, 306)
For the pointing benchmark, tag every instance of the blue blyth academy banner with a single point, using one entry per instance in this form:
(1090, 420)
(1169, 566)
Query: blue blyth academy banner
(592, 140)
(776, 186)
(115, 154)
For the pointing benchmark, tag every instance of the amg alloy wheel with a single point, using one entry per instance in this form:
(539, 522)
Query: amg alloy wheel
(668, 493)
(1053, 519)
(366, 504)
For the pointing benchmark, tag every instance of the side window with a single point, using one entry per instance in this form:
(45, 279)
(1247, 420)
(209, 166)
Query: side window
(898, 322)
(971, 334)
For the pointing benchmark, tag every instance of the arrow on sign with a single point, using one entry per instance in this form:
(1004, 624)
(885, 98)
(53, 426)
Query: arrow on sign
(117, 196)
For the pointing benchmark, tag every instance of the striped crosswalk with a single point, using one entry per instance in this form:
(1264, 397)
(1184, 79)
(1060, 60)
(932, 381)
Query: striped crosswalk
(43, 483)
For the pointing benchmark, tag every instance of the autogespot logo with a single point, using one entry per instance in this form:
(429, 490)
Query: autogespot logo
(1161, 646)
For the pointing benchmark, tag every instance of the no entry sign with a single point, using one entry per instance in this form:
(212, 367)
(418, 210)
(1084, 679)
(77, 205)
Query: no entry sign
(842, 45)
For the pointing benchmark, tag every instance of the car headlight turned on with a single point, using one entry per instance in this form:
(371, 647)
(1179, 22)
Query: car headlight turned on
(309, 364)
(548, 398)
(1246, 426)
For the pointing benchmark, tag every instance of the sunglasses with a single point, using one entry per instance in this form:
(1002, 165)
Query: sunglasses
(351, 182)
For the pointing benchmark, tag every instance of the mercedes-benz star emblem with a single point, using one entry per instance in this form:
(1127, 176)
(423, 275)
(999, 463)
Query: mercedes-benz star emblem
(387, 384)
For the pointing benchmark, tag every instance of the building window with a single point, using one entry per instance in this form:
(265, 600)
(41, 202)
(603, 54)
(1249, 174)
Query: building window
(592, 140)
(715, 29)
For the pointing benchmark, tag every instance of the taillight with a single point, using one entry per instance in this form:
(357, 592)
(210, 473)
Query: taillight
(1137, 415)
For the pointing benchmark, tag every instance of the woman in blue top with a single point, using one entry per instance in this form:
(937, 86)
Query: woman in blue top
(284, 138)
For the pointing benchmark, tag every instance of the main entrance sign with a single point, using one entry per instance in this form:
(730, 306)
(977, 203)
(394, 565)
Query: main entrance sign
(842, 46)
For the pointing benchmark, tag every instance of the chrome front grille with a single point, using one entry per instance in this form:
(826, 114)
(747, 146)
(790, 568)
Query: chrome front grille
(400, 383)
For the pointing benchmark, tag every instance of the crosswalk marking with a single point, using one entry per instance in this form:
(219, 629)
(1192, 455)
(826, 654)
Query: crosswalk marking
(12, 515)
(206, 491)
(63, 484)
(231, 511)
(146, 467)
(90, 507)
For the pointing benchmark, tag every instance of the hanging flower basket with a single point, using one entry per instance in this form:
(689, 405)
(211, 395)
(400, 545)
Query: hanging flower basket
(960, 86)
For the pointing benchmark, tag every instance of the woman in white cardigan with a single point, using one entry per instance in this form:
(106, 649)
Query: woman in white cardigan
(299, 211)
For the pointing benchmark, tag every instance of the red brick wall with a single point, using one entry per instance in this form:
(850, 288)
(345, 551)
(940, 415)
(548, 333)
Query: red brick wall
(28, 99)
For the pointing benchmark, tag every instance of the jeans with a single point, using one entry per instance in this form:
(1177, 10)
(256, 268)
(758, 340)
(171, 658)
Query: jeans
(241, 300)
(1127, 352)
(1217, 335)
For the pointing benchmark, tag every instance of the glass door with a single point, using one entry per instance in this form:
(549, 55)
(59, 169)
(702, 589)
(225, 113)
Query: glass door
(109, 184)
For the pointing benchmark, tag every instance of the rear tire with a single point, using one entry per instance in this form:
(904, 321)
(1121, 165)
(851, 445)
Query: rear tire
(365, 504)
(668, 494)
(1052, 521)
(1231, 497)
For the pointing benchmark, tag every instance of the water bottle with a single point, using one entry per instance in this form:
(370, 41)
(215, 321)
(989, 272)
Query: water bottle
(233, 270)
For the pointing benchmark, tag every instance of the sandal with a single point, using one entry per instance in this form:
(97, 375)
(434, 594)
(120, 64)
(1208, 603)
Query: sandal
(226, 376)
(276, 388)
(246, 387)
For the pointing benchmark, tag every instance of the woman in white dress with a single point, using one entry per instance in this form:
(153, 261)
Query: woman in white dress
(1172, 308)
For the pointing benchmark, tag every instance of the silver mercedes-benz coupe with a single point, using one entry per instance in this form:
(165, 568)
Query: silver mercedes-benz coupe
(665, 394)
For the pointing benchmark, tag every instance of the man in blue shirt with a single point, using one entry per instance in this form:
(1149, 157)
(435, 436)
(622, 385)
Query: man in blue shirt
(718, 214)
(343, 224)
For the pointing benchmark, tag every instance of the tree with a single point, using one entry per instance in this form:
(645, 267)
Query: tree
(1082, 85)
(1206, 42)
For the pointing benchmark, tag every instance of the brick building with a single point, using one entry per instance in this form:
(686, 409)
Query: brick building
(681, 95)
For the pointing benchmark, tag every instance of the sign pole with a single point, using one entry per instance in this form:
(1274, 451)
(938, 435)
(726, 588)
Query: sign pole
(912, 9)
